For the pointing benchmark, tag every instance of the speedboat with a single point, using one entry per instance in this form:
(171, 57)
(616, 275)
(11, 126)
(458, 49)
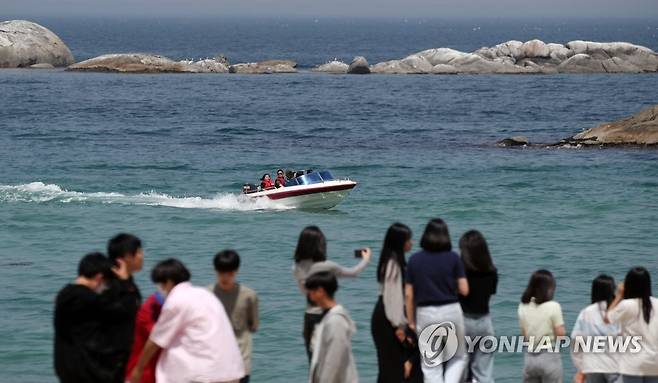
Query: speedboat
(315, 190)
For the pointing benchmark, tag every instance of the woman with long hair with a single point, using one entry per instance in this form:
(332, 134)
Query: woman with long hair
(541, 322)
(596, 366)
(482, 279)
(634, 310)
(435, 279)
(310, 258)
(266, 182)
(388, 321)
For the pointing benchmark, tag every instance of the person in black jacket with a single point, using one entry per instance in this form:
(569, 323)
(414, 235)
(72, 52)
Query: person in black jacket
(80, 347)
(123, 295)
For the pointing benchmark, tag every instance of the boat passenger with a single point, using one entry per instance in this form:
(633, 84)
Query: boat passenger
(280, 177)
(266, 182)
(278, 184)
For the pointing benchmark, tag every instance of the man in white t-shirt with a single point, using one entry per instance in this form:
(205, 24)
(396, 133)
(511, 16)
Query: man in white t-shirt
(193, 331)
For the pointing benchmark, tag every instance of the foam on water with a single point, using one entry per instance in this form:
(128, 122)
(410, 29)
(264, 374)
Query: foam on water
(39, 192)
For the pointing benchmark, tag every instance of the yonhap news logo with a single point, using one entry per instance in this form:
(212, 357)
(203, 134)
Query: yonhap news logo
(438, 343)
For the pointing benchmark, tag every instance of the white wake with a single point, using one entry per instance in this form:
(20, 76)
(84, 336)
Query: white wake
(40, 193)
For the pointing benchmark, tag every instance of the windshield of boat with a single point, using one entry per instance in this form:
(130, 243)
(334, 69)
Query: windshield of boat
(311, 178)
(326, 175)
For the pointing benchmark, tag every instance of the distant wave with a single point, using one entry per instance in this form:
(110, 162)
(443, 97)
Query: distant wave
(39, 192)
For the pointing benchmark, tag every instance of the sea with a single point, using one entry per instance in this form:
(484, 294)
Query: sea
(84, 156)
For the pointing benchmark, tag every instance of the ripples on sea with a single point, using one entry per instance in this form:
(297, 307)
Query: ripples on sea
(85, 155)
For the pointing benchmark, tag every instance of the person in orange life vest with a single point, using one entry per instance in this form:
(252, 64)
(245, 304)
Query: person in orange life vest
(266, 182)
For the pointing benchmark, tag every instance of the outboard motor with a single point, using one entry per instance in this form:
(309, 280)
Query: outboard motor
(249, 188)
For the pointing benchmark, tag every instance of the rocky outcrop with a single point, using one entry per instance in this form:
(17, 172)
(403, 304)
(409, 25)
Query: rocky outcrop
(638, 129)
(514, 141)
(530, 57)
(216, 65)
(265, 67)
(359, 65)
(42, 66)
(333, 66)
(24, 43)
(147, 63)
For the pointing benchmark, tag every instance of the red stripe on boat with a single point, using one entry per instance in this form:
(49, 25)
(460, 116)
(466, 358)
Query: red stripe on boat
(298, 192)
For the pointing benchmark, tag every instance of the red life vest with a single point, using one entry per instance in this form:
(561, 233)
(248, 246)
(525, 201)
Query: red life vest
(266, 184)
(282, 180)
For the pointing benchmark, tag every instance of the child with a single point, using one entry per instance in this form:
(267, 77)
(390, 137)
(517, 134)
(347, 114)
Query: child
(332, 339)
(240, 303)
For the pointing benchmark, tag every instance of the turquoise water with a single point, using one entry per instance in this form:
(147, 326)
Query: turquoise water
(84, 156)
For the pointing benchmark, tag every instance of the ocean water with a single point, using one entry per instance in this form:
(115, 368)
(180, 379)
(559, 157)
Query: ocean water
(86, 155)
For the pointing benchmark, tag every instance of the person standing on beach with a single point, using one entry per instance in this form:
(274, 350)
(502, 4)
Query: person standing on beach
(388, 321)
(193, 333)
(541, 321)
(435, 280)
(332, 360)
(482, 279)
(311, 257)
(596, 367)
(125, 251)
(79, 319)
(634, 310)
(147, 316)
(240, 303)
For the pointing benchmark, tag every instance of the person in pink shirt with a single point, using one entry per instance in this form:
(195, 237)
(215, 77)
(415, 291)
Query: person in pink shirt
(193, 332)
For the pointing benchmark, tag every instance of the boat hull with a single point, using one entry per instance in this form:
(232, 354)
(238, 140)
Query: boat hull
(324, 195)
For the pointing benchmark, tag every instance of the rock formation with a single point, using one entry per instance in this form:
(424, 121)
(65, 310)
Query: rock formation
(514, 141)
(359, 65)
(534, 56)
(24, 43)
(333, 66)
(638, 129)
(265, 67)
(146, 63)
(42, 66)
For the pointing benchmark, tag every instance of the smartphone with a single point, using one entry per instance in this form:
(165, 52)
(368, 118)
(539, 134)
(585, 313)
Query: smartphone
(358, 253)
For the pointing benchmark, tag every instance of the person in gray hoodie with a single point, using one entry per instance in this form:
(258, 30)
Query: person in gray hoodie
(331, 344)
